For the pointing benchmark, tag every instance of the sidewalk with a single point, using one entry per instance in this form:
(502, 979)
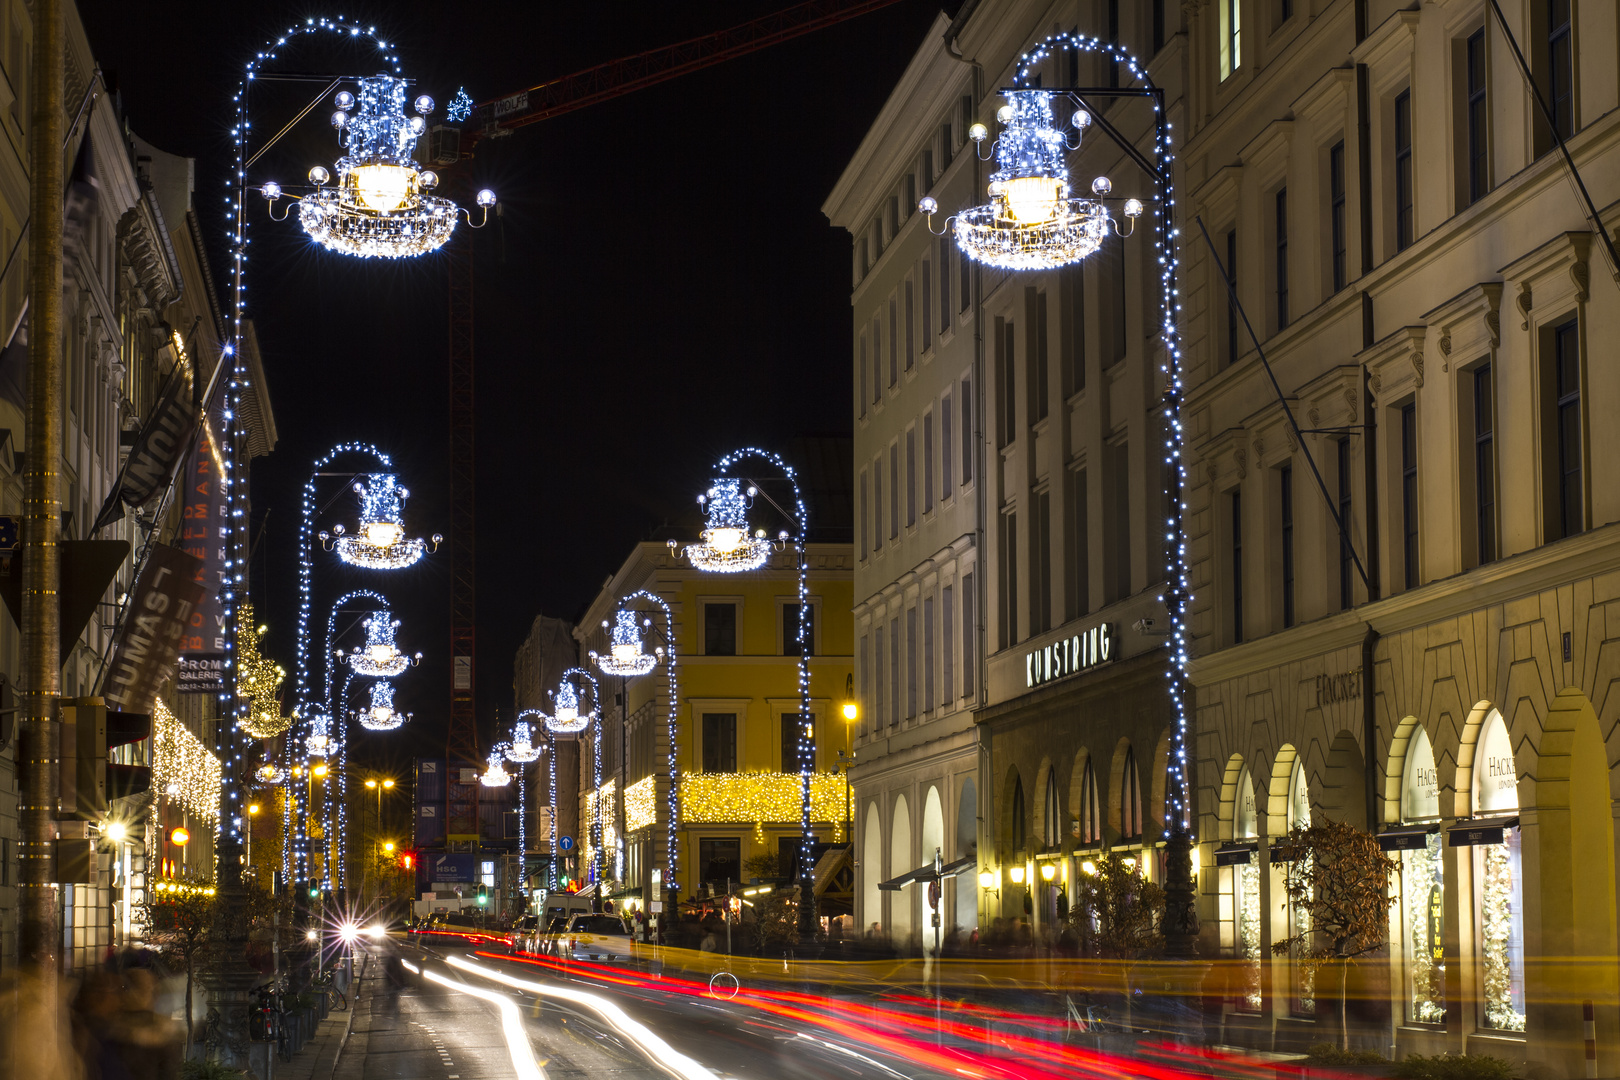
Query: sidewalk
(329, 1049)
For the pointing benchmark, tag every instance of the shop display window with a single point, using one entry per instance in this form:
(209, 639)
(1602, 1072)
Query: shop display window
(1423, 888)
(1498, 881)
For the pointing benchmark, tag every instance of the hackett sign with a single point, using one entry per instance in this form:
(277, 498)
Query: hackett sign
(1069, 656)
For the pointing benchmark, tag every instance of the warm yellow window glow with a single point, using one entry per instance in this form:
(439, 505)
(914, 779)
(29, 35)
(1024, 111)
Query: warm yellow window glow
(1031, 200)
(383, 188)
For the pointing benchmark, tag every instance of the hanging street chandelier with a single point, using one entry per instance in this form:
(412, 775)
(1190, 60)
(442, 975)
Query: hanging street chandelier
(380, 658)
(522, 748)
(380, 205)
(380, 543)
(381, 715)
(318, 742)
(625, 654)
(496, 775)
(270, 773)
(566, 716)
(724, 545)
(1031, 221)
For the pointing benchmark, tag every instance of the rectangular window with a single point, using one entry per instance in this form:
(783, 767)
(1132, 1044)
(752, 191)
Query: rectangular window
(911, 663)
(927, 176)
(894, 342)
(1560, 68)
(1409, 496)
(947, 627)
(866, 680)
(1118, 337)
(1078, 577)
(719, 742)
(1337, 208)
(927, 305)
(1006, 384)
(1285, 10)
(793, 740)
(790, 631)
(894, 671)
(944, 283)
(877, 360)
(1040, 584)
(928, 462)
(946, 447)
(1119, 522)
(1281, 268)
(1073, 283)
(720, 861)
(1285, 477)
(863, 516)
(894, 490)
(1038, 359)
(1479, 124)
(964, 285)
(1347, 565)
(911, 323)
(1403, 170)
(970, 638)
(1231, 303)
(1237, 567)
(879, 687)
(911, 477)
(1569, 492)
(928, 654)
(1485, 463)
(877, 504)
(947, 143)
(1009, 580)
(720, 629)
(967, 431)
(1231, 36)
(860, 382)
(1158, 27)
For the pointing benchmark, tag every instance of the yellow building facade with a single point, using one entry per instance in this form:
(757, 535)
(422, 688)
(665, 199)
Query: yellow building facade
(735, 721)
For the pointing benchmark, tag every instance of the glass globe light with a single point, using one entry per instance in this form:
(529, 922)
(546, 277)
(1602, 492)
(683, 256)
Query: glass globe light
(428, 179)
(978, 133)
(271, 189)
(424, 104)
(319, 175)
(1133, 208)
(339, 118)
(344, 100)
(928, 205)
(1101, 186)
(417, 125)
(1082, 119)
(486, 198)
(1004, 114)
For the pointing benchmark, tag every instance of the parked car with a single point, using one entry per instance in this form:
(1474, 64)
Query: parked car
(522, 937)
(598, 938)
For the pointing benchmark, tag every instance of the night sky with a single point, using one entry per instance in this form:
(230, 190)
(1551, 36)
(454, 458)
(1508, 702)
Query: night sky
(662, 288)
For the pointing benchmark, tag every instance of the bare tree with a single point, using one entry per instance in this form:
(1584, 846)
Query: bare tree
(1337, 877)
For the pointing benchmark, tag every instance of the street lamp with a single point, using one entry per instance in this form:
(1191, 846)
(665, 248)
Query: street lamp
(725, 547)
(1031, 223)
(852, 715)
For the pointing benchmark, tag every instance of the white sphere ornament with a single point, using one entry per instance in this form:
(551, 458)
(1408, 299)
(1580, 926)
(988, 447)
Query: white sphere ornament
(428, 179)
(1082, 119)
(1133, 208)
(418, 125)
(978, 133)
(344, 100)
(1101, 186)
(319, 175)
(1004, 114)
(486, 198)
(424, 104)
(271, 189)
(928, 205)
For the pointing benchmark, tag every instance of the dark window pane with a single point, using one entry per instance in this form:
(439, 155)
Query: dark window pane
(1485, 462)
(1478, 122)
(1403, 170)
(1282, 258)
(1409, 496)
(1567, 377)
(719, 742)
(720, 860)
(1341, 238)
(793, 739)
(720, 629)
(1286, 479)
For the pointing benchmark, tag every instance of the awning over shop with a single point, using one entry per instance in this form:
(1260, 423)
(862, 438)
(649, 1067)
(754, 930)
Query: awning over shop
(1478, 832)
(1236, 853)
(1407, 837)
(926, 873)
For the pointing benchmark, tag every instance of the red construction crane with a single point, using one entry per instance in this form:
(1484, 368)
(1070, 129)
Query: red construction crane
(446, 145)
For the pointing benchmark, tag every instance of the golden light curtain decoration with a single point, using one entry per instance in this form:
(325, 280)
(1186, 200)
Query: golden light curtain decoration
(259, 683)
(182, 768)
(641, 804)
(758, 797)
(607, 792)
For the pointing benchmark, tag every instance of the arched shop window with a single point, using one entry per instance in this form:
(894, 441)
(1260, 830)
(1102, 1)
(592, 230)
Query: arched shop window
(1090, 806)
(1130, 800)
(1051, 837)
(1299, 797)
(1299, 920)
(1422, 887)
(1246, 895)
(1498, 881)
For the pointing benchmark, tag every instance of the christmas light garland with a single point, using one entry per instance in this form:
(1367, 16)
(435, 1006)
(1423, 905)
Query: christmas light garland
(259, 681)
(183, 770)
(726, 798)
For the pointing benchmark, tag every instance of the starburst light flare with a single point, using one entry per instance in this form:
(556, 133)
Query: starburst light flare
(496, 775)
(1031, 222)
(625, 655)
(380, 658)
(381, 715)
(379, 206)
(725, 546)
(380, 543)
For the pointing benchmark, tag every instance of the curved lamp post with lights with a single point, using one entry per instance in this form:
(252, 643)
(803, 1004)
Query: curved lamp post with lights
(567, 721)
(1032, 223)
(726, 546)
(521, 749)
(627, 657)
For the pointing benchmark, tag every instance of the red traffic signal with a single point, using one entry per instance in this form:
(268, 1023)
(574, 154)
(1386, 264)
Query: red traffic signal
(407, 860)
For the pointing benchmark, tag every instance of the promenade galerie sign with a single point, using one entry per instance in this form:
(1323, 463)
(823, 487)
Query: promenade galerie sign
(1070, 656)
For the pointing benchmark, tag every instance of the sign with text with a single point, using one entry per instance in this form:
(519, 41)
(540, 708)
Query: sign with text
(158, 448)
(203, 535)
(159, 614)
(1070, 655)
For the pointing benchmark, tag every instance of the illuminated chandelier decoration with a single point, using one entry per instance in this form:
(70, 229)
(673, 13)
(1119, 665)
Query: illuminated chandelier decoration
(380, 543)
(270, 773)
(381, 715)
(1031, 223)
(380, 658)
(566, 717)
(380, 206)
(725, 546)
(522, 749)
(260, 679)
(319, 740)
(496, 775)
(625, 655)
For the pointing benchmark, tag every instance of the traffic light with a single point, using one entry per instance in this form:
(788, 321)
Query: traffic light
(88, 781)
(407, 860)
(483, 894)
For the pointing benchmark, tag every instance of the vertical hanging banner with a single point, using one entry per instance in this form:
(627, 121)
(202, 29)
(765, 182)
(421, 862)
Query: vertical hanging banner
(203, 530)
(157, 619)
(162, 441)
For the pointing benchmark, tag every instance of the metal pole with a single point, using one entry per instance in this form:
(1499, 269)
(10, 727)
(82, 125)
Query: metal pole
(39, 745)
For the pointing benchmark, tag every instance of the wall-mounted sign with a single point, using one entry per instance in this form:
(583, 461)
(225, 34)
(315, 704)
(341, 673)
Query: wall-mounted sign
(1437, 923)
(1496, 779)
(1420, 791)
(1070, 656)
(1333, 689)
